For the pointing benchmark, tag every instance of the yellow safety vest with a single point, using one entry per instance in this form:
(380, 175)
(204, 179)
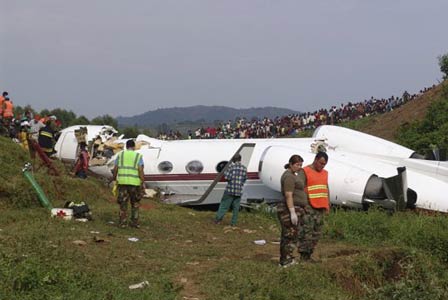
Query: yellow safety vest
(128, 168)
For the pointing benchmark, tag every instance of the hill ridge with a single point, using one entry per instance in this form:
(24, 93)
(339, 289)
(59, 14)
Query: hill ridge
(200, 113)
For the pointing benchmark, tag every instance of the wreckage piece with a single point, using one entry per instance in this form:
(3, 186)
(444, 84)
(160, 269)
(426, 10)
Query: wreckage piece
(27, 172)
(102, 142)
(361, 168)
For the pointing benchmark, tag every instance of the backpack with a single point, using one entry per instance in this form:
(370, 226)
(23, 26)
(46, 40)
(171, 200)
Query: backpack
(80, 210)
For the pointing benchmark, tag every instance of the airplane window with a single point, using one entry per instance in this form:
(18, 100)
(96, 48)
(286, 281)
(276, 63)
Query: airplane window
(194, 167)
(165, 167)
(221, 165)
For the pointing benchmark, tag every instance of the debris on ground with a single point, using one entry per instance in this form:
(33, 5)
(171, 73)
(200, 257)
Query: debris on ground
(260, 242)
(81, 220)
(100, 240)
(149, 193)
(79, 242)
(133, 239)
(139, 285)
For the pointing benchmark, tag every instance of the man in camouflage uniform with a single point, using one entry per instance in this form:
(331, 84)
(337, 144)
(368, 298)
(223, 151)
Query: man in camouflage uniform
(128, 172)
(312, 214)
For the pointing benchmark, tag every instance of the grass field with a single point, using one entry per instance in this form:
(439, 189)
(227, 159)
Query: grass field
(183, 255)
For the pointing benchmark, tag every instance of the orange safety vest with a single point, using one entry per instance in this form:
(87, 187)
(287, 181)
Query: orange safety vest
(8, 112)
(317, 188)
(2, 100)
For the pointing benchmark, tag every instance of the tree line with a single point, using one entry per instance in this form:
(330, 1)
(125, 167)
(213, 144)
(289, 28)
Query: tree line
(69, 118)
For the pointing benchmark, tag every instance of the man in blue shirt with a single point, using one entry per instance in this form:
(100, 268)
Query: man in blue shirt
(236, 176)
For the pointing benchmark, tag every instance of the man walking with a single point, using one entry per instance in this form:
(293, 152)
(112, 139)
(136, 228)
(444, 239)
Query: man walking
(128, 172)
(236, 176)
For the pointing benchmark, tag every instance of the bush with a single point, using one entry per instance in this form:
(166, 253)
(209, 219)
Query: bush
(432, 132)
(443, 63)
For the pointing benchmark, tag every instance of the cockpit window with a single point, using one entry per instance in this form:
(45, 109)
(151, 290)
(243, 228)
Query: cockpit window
(165, 167)
(194, 167)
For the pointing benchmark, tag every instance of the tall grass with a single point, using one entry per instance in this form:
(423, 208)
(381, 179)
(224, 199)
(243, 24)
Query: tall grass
(376, 228)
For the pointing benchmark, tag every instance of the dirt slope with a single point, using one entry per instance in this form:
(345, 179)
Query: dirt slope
(386, 126)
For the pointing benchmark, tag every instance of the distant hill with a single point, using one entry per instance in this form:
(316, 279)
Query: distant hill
(199, 114)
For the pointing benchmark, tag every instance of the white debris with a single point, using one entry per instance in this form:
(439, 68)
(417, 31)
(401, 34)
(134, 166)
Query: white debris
(139, 285)
(150, 193)
(260, 242)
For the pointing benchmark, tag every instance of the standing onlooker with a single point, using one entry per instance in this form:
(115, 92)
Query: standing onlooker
(8, 111)
(236, 176)
(128, 172)
(317, 191)
(295, 199)
(2, 101)
(82, 162)
(47, 137)
(35, 126)
(24, 135)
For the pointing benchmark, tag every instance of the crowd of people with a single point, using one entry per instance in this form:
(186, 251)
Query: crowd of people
(293, 124)
(34, 132)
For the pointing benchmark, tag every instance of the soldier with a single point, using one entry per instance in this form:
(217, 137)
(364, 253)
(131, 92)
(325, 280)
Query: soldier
(292, 185)
(128, 172)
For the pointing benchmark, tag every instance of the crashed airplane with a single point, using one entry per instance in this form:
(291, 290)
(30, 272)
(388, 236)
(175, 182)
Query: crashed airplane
(363, 169)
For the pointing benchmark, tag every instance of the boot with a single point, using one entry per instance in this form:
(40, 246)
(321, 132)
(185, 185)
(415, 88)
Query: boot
(306, 257)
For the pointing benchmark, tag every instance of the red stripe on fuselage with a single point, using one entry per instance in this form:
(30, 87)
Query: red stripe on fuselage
(192, 177)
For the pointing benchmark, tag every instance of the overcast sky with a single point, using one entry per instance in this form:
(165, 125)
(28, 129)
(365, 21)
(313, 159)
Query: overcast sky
(124, 58)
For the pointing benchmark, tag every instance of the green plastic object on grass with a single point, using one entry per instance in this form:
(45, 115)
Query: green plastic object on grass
(40, 193)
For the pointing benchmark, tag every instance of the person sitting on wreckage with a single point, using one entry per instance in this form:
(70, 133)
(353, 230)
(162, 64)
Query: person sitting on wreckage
(82, 162)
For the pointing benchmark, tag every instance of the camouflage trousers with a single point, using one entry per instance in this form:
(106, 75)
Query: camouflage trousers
(132, 194)
(304, 236)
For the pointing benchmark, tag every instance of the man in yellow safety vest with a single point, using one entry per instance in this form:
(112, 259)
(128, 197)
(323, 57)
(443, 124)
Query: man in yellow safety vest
(128, 173)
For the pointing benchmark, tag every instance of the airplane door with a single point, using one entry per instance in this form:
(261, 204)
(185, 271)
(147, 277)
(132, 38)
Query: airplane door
(211, 194)
(150, 158)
